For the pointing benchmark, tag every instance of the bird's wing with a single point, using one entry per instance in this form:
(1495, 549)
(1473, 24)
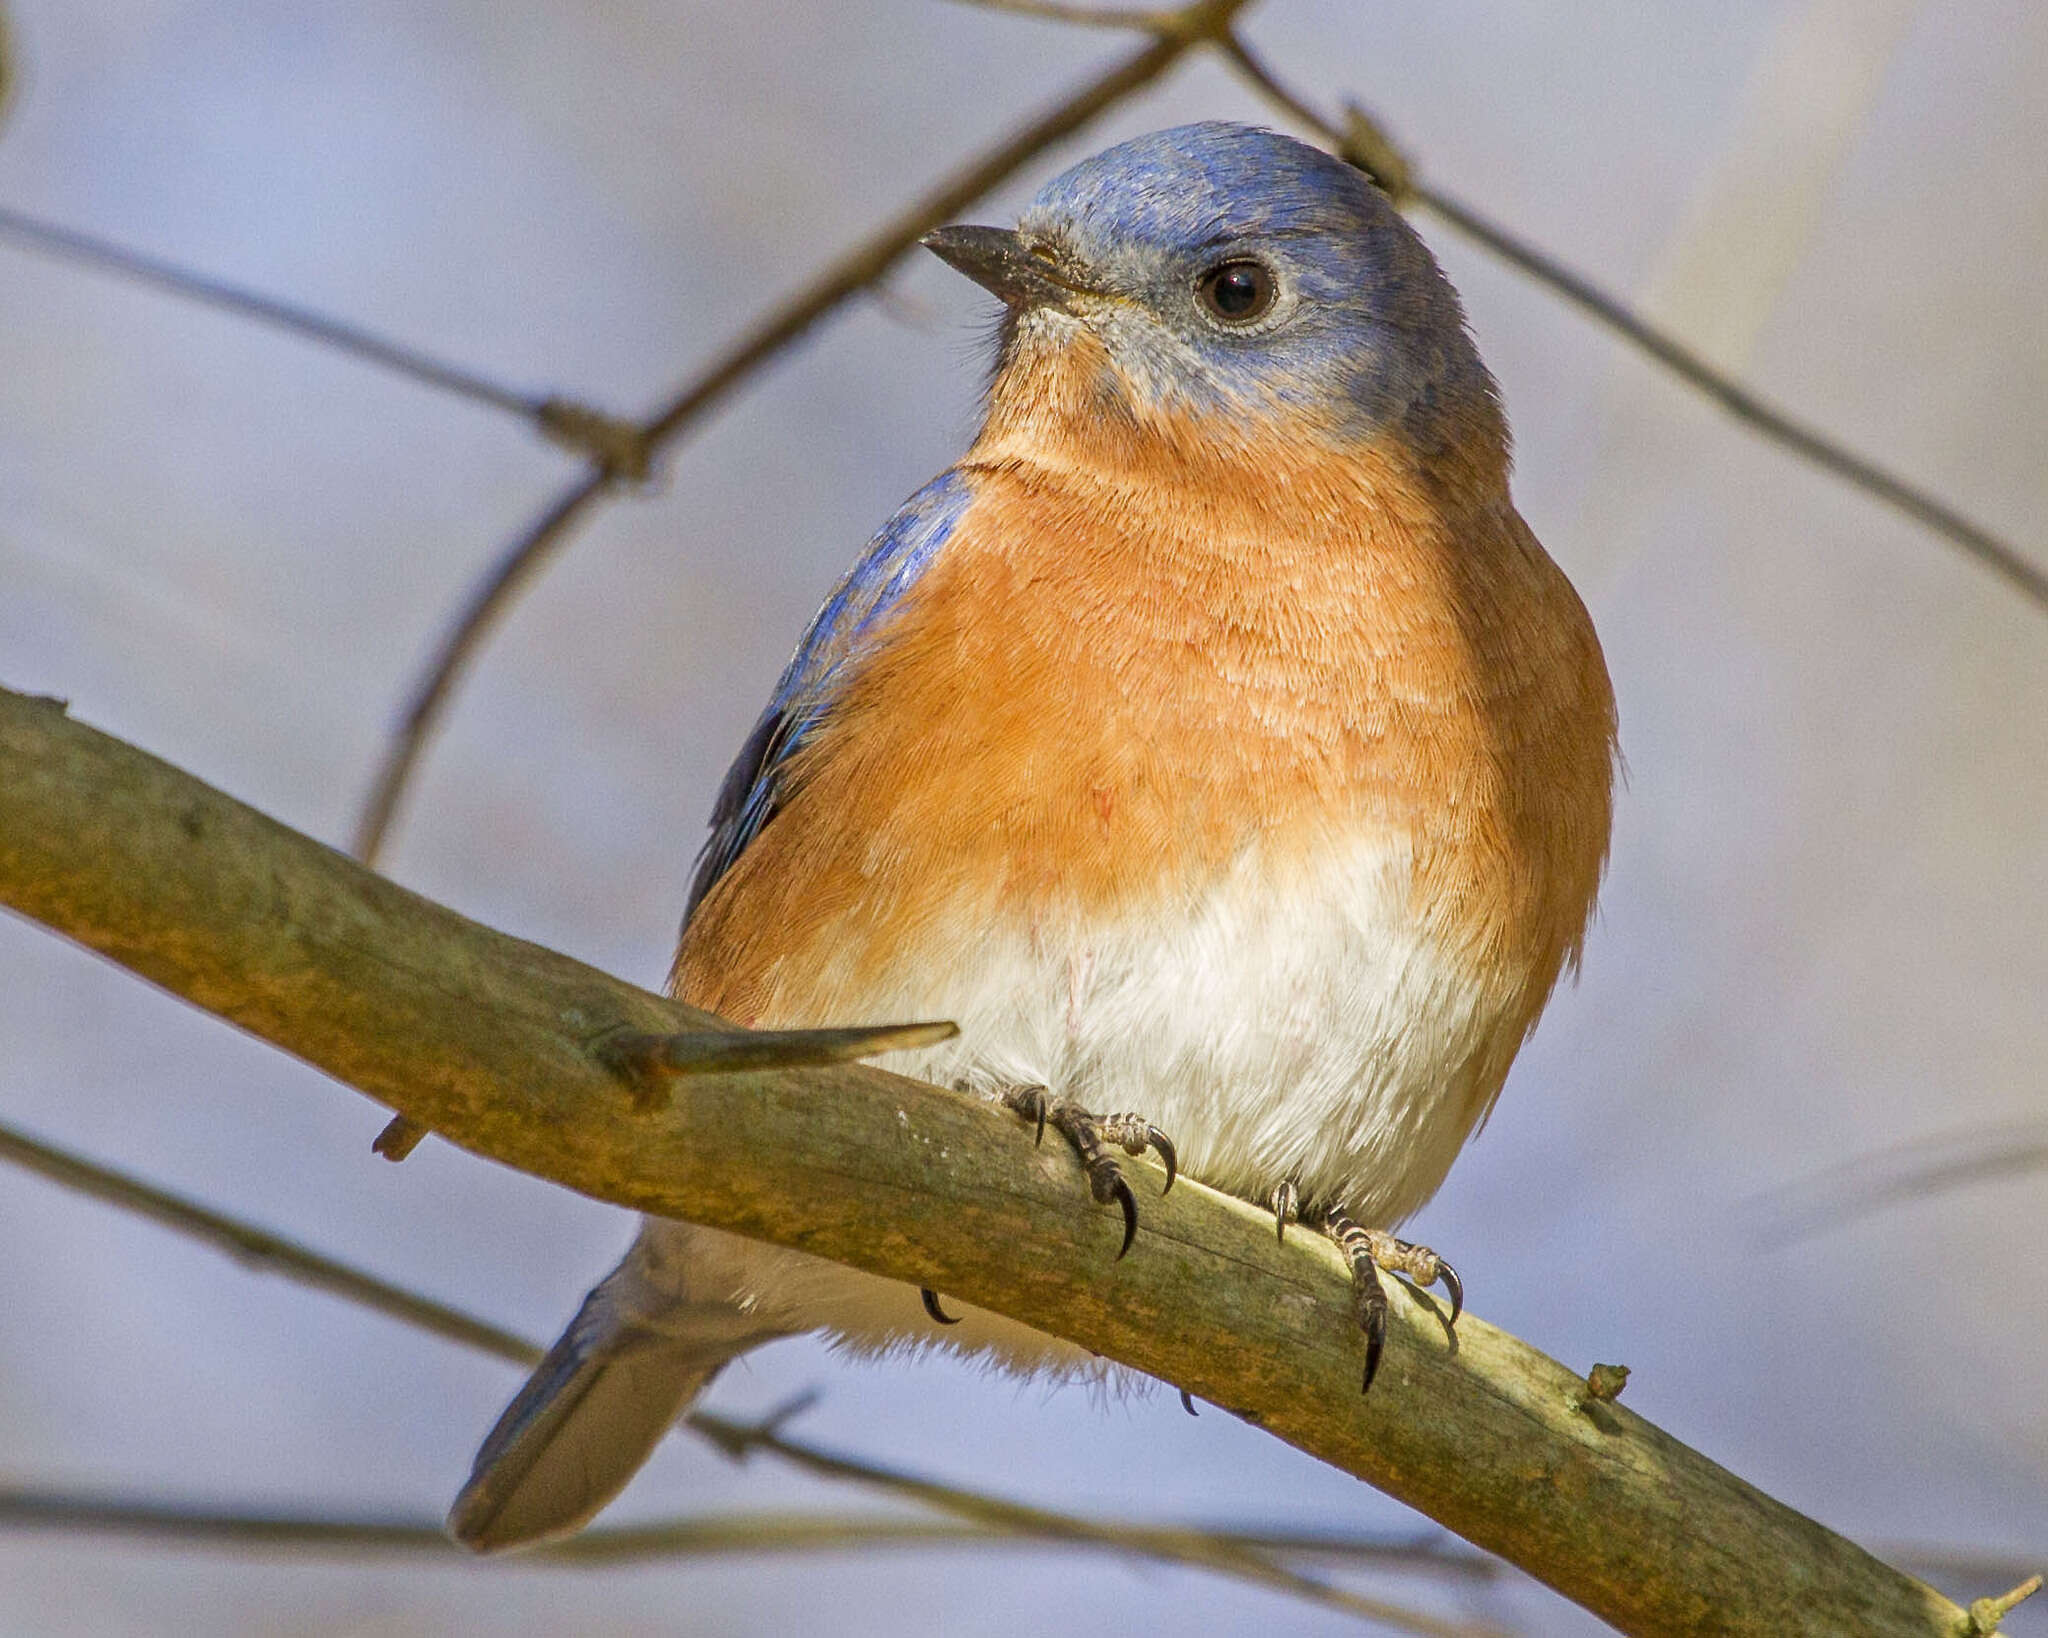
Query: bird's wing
(843, 634)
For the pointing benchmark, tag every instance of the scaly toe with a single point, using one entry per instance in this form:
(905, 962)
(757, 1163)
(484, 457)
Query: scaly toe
(1420, 1265)
(1134, 1135)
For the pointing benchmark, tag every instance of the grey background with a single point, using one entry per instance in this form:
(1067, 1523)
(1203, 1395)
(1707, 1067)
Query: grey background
(1825, 927)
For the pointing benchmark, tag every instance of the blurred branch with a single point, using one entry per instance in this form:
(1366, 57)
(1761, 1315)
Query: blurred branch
(230, 1529)
(497, 1043)
(1360, 140)
(258, 1248)
(604, 438)
(730, 1532)
(775, 331)
(1910, 1171)
(1197, 1548)
(984, 1517)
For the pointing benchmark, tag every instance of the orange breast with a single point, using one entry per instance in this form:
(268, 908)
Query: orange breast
(1121, 673)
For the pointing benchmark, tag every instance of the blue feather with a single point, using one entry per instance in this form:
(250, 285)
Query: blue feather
(844, 633)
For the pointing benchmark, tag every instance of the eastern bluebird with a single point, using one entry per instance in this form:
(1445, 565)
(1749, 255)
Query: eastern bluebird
(1215, 740)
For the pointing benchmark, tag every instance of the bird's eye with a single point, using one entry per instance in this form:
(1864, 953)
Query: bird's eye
(1240, 292)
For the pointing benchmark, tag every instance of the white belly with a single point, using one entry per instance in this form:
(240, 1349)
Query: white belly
(1296, 1022)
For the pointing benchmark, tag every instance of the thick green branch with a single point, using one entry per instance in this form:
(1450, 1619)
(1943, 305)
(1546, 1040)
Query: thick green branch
(495, 1044)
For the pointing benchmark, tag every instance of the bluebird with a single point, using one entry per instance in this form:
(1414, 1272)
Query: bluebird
(1215, 741)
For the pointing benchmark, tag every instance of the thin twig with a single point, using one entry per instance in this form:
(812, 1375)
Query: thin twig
(258, 1248)
(1192, 1547)
(605, 439)
(1908, 1171)
(489, 598)
(23, 1508)
(1807, 442)
(274, 1253)
(852, 273)
(112, 258)
(231, 1529)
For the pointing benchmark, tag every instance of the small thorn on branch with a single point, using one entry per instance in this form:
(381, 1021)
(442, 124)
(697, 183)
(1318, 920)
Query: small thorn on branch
(399, 1139)
(1987, 1613)
(649, 1059)
(1604, 1384)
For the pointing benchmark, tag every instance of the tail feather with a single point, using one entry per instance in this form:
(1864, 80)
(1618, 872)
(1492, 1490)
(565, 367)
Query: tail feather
(590, 1415)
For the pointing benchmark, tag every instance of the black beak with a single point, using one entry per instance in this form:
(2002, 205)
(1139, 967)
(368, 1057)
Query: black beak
(1000, 261)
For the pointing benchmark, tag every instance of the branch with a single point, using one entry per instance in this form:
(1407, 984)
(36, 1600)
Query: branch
(1907, 1171)
(606, 439)
(497, 1044)
(260, 1249)
(1198, 1548)
(859, 268)
(232, 1529)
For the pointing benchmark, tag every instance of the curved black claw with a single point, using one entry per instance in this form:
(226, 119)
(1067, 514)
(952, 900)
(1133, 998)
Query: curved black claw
(1187, 1403)
(1456, 1288)
(1033, 1103)
(931, 1306)
(1121, 1190)
(1285, 1199)
(1372, 1319)
(1164, 1147)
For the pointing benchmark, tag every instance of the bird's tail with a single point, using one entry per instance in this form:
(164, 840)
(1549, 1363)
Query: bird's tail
(594, 1409)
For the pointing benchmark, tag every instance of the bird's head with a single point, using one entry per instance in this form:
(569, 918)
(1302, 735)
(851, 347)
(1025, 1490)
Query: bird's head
(1221, 278)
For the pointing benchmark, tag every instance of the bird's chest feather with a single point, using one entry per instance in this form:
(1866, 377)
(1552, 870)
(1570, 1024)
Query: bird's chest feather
(1204, 806)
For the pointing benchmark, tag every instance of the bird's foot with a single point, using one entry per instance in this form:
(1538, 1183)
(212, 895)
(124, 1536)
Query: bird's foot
(1371, 1250)
(1092, 1138)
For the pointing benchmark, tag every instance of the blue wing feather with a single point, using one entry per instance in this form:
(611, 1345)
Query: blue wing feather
(843, 634)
